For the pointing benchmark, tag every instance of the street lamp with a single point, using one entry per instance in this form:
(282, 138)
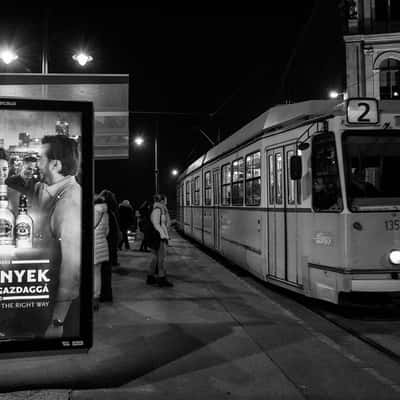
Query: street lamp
(174, 172)
(334, 94)
(8, 56)
(139, 141)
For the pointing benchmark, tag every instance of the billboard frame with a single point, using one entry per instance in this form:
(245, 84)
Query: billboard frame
(40, 346)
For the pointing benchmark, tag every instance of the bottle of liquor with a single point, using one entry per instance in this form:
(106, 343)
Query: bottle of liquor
(7, 219)
(23, 225)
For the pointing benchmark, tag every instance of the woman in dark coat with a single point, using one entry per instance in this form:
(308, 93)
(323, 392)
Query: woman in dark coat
(145, 224)
(126, 222)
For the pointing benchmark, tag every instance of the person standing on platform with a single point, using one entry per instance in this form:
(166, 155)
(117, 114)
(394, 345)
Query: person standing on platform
(126, 221)
(159, 242)
(113, 239)
(145, 224)
(101, 253)
(115, 235)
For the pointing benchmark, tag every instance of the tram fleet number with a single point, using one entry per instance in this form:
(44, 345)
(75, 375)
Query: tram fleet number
(392, 224)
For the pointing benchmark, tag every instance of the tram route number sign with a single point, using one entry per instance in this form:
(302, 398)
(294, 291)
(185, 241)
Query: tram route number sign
(362, 111)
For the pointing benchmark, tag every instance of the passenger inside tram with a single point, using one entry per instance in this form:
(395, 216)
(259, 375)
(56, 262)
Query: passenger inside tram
(359, 185)
(326, 196)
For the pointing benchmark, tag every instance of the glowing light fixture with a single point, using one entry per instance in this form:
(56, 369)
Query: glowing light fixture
(334, 94)
(8, 56)
(139, 140)
(174, 172)
(82, 58)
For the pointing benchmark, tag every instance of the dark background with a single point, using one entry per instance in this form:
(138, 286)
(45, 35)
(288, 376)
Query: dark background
(204, 68)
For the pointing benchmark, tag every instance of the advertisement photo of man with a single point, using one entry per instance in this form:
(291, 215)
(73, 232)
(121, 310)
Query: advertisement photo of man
(24, 182)
(57, 199)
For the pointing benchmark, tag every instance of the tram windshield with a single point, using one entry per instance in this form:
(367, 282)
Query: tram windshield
(372, 164)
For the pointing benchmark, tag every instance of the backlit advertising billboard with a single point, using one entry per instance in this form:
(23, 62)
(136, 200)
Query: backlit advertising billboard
(46, 225)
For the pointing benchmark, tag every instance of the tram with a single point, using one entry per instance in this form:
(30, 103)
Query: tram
(306, 196)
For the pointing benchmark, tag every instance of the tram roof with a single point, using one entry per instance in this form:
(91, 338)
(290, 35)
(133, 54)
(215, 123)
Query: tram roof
(272, 119)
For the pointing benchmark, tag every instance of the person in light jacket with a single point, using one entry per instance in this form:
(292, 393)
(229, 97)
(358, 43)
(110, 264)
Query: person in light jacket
(101, 252)
(160, 220)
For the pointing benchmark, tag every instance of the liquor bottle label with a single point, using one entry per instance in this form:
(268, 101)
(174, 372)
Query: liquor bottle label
(5, 228)
(22, 231)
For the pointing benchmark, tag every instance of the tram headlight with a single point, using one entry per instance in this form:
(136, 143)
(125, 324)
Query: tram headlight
(394, 257)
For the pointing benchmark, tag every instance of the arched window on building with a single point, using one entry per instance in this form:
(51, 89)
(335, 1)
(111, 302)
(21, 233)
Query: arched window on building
(389, 79)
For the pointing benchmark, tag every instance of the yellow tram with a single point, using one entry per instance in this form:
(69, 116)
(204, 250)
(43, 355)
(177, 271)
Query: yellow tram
(305, 196)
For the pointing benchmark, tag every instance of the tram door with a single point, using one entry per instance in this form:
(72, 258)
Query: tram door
(216, 221)
(277, 217)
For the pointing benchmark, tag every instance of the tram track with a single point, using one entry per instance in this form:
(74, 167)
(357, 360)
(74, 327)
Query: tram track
(377, 326)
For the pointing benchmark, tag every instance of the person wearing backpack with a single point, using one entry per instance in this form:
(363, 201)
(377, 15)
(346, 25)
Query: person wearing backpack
(158, 242)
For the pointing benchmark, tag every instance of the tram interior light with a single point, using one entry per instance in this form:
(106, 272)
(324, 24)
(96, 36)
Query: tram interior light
(394, 257)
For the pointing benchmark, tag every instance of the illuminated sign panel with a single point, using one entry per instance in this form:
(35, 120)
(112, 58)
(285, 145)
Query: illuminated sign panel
(362, 111)
(46, 225)
(109, 94)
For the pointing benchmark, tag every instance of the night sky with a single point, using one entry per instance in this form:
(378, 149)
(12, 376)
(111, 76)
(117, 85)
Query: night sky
(217, 67)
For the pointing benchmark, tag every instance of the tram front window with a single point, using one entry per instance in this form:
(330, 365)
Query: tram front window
(372, 161)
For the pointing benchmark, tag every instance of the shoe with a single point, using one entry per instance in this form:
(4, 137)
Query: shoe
(164, 282)
(96, 305)
(151, 280)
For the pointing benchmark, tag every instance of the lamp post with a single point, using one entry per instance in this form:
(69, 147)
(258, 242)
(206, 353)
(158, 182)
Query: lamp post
(139, 141)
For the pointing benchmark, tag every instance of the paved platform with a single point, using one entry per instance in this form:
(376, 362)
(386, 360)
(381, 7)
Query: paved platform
(212, 336)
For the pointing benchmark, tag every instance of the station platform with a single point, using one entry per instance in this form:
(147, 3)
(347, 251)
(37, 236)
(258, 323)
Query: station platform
(212, 336)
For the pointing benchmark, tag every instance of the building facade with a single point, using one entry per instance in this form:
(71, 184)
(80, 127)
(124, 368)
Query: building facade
(372, 39)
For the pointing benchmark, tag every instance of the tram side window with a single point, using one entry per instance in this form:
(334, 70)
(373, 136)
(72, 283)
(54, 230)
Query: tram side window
(271, 179)
(226, 185)
(253, 179)
(188, 193)
(278, 177)
(326, 193)
(207, 188)
(291, 184)
(215, 188)
(196, 198)
(237, 182)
